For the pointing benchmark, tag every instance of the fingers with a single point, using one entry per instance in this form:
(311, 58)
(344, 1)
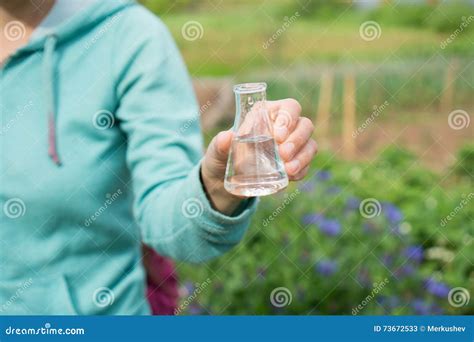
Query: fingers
(293, 134)
(215, 159)
(300, 175)
(285, 115)
(220, 146)
(297, 139)
(303, 158)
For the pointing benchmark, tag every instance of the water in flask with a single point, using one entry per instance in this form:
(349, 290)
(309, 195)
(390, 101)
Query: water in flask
(254, 167)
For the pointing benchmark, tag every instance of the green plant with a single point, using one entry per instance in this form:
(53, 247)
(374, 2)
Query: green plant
(330, 254)
(465, 162)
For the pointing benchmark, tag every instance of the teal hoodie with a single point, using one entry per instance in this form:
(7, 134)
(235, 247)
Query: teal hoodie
(100, 150)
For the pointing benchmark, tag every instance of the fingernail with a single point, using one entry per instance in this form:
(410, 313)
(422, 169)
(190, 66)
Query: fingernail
(293, 166)
(219, 139)
(288, 149)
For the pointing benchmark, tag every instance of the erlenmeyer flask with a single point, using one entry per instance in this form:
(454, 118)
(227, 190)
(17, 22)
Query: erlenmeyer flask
(254, 167)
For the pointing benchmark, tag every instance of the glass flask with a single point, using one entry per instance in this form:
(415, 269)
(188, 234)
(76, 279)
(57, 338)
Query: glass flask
(254, 167)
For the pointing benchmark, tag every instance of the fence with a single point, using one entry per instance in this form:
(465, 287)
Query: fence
(341, 98)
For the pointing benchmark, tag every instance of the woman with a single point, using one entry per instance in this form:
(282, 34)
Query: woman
(101, 151)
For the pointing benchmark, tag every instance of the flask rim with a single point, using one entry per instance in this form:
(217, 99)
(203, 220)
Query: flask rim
(249, 88)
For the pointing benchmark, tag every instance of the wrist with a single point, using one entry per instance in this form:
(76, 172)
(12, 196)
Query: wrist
(219, 198)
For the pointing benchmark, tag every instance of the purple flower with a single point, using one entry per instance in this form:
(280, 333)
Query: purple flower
(405, 270)
(390, 302)
(393, 301)
(330, 227)
(437, 288)
(307, 187)
(414, 253)
(387, 260)
(420, 307)
(189, 287)
(323, 175)
(392, 213)
(312, 219)
(326, 267)
(352, 203)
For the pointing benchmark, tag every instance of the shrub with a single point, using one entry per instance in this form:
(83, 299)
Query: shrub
(395, 259)
(465, 162)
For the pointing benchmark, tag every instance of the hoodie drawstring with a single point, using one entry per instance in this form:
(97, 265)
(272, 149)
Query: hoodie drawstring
(48, 68)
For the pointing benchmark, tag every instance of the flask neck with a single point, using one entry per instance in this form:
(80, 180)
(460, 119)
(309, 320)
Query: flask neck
(251, 113)
(246, 102)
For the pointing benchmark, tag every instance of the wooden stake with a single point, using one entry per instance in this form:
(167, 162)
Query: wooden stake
(447, 95)
(349, 115)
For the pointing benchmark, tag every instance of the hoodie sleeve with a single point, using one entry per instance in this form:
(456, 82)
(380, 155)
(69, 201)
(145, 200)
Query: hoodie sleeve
(159, 115)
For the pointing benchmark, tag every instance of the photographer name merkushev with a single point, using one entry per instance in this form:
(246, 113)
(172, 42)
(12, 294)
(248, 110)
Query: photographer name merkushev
(444, 328)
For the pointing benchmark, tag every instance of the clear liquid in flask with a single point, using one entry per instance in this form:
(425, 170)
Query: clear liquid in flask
(254, 167)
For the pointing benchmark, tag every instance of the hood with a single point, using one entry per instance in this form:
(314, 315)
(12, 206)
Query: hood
(89, 17)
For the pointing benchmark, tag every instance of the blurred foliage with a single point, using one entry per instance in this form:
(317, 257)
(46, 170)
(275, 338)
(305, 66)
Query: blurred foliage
(394, 83)
(465, 162)
(236, 31)
(444, 18)
(163, 7)
(319, 246)
(320, 9)
(447, 18)
(329, 256)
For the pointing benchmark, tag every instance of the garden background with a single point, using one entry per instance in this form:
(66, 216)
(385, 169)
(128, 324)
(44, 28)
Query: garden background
(383, 224)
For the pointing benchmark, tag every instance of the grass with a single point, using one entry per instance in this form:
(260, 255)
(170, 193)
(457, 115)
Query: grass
(233, 39)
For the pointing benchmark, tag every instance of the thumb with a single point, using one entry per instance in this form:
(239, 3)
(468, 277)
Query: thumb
(217, 153)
